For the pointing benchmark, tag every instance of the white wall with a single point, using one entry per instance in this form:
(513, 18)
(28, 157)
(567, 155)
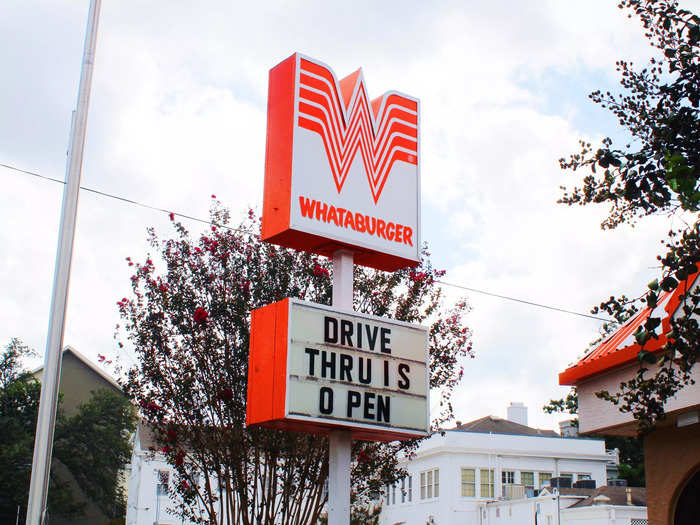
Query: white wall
(602, 515)
(144, 506)
(597, 414)
(455, 450)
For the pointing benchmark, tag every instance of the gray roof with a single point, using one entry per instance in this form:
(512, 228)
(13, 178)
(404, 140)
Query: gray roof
(617, 496)
(495, 425)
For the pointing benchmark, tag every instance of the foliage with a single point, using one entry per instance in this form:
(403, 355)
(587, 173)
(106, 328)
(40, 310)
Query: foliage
(19, 407)
(657, 172)
(93, 444)
(634, 474)
(189, 325)
(567, 405)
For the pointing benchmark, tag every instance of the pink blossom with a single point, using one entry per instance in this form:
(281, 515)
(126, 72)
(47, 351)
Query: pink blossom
(200, 315)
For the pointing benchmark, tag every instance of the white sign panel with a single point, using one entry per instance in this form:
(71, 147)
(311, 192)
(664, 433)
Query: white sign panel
(356, 369)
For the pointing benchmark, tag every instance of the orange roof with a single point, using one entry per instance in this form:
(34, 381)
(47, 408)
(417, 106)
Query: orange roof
(621, 347)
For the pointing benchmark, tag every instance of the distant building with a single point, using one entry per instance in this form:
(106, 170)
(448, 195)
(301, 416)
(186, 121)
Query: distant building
(571, 506)
(671, 450)
(79, 378)
(149, 483)
(478, 468)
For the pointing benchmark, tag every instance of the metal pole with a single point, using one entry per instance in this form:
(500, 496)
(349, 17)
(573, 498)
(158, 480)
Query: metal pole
(339, 441)
(43, 442)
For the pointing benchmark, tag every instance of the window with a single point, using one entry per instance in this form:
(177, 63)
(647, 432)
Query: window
(163, 481)
(507, 477)
(581, 476)
(486, 478)
(388, 494)
(567, 475)
(468, 483)
(430, 484)
(527, 479)
(406, 489)
(393, 494)
(544, 478)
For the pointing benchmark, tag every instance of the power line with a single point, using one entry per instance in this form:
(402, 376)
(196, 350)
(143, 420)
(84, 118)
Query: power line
(523, 301)
(204, 221)
(117, 197)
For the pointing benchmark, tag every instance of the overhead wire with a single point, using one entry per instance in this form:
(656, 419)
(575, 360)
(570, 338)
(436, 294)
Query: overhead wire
(204, 221)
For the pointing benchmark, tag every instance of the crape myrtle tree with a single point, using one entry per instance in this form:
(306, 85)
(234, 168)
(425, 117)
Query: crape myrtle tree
(655, 173)
(188, 321)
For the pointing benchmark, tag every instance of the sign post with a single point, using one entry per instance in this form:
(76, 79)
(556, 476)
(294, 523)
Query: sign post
(339, 441)
(342, 180)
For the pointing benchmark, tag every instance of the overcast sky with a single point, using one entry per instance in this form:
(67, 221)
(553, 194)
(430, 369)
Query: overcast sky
(178, 113)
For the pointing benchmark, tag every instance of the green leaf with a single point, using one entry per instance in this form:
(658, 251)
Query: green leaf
(669, 284)
(642, 336)
(654, 285)
(652, 323)
(651, 300)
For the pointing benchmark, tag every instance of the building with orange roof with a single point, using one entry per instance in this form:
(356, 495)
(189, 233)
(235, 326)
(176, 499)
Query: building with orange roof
(672, 449)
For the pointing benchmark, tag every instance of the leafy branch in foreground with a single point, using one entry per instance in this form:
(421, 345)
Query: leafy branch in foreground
(656, 173)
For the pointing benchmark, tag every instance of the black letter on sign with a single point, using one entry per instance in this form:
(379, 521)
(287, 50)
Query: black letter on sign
(404, 382)
(345, 332)
(369, 405)
(365, 379)
(328, 323)
(386, 373)
(354, 401)
(312, 352)
(383, 408)
(345, 367)
(385, 340)
(326, 400)
(371, 335)
(327, 364)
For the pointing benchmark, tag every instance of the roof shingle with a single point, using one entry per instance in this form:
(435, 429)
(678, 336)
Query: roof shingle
(495, 425)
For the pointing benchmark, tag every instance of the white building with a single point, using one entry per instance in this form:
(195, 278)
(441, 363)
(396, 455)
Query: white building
(479, 473)
(479, 469)
(149, 480)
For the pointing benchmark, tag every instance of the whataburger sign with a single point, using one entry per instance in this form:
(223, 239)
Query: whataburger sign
(341, 173)
(341, 170)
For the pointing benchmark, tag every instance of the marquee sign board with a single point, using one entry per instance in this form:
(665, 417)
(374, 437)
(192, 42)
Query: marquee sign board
(341, 171)
(313, 369)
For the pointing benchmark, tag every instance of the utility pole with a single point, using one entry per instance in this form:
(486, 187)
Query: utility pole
(46, 421)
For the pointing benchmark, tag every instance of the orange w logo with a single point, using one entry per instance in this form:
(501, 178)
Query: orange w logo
(384, 131)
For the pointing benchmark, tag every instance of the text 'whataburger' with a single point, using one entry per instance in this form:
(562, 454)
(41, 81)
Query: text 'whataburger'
(343, 218)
